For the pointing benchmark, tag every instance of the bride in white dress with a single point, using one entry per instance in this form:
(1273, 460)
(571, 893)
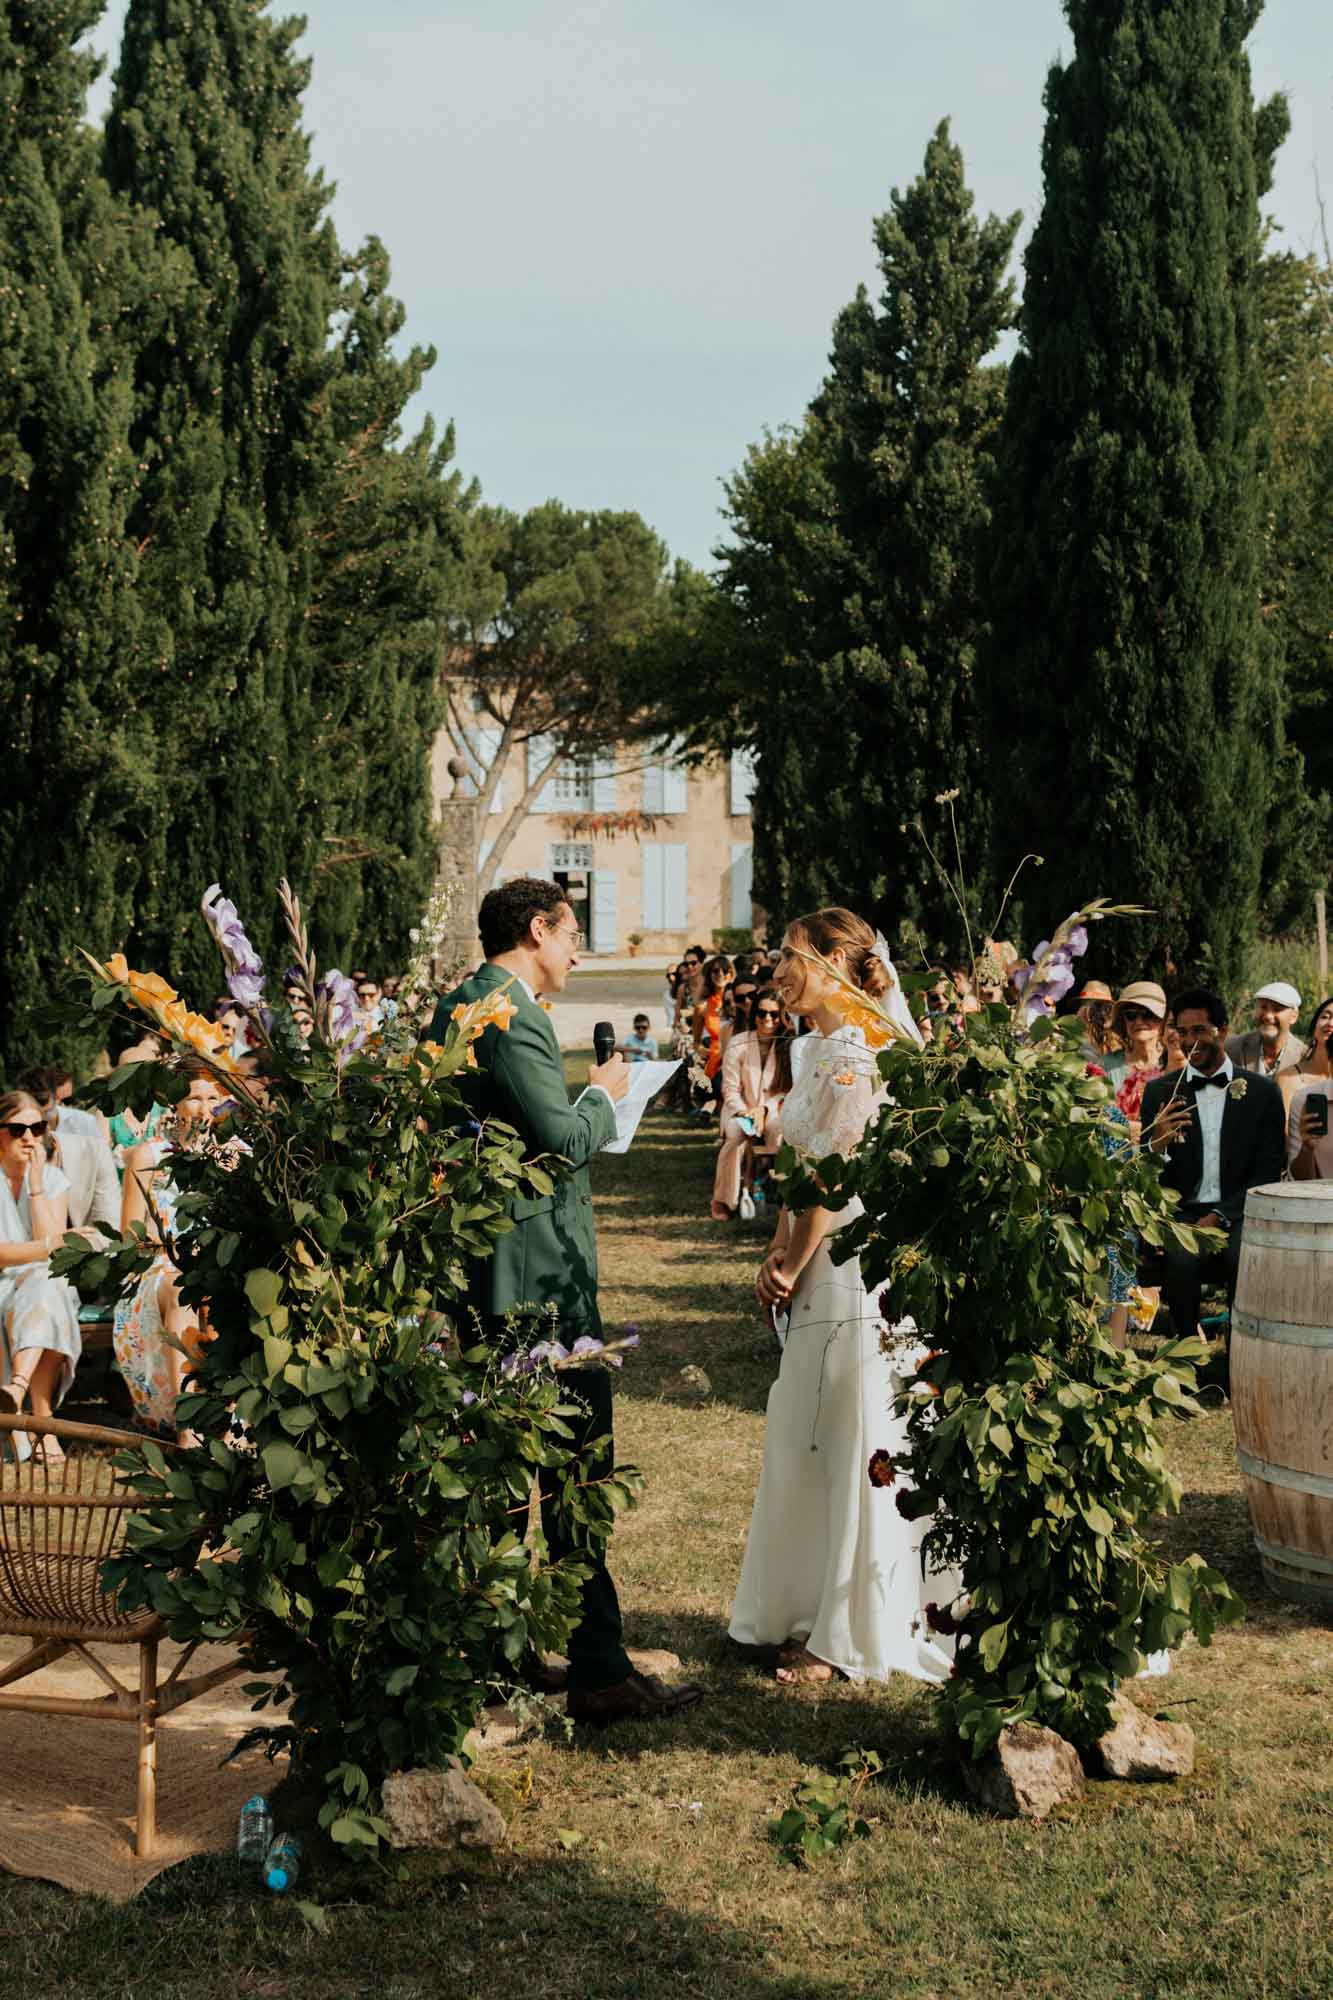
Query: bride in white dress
(832, 1572)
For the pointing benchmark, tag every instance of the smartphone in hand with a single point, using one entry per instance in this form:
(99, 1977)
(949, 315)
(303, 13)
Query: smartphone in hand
(1316, 1114)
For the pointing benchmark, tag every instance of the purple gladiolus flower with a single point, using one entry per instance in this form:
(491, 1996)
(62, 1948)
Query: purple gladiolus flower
(338, 990)
(548, 1350)
(586, 1344)
(468, 1398)
(1077, 941)
(245, 968)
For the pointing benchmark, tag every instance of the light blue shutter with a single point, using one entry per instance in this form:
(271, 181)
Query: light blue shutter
(742, 780)
(605, 912)
(654, 896)
(740, 877)
(539, 756)
(653, 776)
(676, 886)
(675, 798)
(604, 784)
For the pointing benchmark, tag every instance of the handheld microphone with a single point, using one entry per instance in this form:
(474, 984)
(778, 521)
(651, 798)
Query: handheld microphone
(604, 1041)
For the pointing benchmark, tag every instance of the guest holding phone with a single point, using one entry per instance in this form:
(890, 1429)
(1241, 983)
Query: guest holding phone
(1309, 1145)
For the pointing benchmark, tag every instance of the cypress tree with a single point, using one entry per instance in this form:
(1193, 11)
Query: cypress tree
(81, 770)
(1136, 704)
(386, 541)
(871, 707)
(230, 423)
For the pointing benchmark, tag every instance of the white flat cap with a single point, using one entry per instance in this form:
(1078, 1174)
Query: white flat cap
(1280, 993)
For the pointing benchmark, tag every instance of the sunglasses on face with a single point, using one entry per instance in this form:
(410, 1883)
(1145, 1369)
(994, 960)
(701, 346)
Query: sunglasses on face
(767, 1014)
(1136, 1014)
(16, 1128)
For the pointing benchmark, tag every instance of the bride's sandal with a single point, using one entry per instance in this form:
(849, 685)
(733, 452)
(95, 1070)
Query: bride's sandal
(798, 1667)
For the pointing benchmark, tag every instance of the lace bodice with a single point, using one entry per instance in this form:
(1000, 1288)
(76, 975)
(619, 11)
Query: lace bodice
(836, 1093)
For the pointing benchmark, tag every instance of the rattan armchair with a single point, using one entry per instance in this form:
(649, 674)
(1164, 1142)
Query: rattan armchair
(58, 1524)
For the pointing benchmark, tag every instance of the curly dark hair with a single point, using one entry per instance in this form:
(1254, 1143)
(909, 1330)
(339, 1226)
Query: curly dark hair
(506, 912)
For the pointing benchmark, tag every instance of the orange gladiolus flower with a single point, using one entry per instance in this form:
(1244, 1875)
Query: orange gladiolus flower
(151, 990)
(117, 968)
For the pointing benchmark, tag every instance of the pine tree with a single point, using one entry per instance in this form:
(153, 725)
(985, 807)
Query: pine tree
(81, 766)
(231, 423)
(1136, 705)
(870, 626)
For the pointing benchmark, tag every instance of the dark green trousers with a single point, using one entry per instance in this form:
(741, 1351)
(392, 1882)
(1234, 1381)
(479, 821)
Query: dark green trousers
(597, 1656)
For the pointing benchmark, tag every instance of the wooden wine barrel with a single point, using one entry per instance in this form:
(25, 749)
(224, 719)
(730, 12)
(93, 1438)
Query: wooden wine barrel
(1282, 1383)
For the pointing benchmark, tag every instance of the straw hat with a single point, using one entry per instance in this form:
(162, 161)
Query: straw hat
(1094, 989)
(1145, 993)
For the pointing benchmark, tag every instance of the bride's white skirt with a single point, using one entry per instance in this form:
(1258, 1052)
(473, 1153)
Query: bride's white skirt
(829, 1558)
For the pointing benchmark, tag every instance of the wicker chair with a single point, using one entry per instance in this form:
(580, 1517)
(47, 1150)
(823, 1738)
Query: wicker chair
(58, 1525)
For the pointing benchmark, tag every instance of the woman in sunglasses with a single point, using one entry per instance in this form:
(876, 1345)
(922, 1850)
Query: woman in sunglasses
(756, 1076)
(39, 1314)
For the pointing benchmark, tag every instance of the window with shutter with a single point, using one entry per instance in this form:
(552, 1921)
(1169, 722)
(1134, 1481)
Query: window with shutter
(538, 757)
(488, 749)
(605, 912)
(740, 883)
(742, 780)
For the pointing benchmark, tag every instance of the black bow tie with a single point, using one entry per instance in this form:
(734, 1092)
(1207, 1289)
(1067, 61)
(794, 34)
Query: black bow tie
(1218, 1082)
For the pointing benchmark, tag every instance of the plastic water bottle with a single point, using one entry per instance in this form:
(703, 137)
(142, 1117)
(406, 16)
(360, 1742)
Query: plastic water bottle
(284, 1863)
(254, 1831)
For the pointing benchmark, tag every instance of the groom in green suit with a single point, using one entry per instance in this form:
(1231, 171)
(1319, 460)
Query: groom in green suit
(549, 1259)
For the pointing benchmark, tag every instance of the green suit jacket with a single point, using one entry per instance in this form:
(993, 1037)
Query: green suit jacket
(550, 1256)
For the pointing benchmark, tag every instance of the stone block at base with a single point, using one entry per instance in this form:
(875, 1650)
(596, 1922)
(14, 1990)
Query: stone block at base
(1029, 1772)
(441, 1810)
(1138, 1746)
(654, 1660)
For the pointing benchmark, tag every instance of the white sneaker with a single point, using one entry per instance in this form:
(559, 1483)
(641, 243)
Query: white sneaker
(745, 1209)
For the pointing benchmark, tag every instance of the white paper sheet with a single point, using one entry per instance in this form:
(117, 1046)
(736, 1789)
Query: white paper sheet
(645, 1080)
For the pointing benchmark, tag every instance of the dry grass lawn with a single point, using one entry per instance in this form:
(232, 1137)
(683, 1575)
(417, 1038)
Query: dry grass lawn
(640, 1865)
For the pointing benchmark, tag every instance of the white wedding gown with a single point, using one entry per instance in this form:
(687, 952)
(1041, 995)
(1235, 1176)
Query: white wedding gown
(829, 1558)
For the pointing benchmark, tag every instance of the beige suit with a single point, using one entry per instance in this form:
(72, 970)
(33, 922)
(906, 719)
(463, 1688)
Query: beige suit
(1247, 1052)
(94, 1190)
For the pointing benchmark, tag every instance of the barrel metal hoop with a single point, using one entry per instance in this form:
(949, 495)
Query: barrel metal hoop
(1281, 1329)
(1314, 1483)
(1297, 1558)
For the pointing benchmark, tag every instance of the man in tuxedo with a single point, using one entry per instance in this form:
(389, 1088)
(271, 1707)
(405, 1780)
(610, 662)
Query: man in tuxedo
(549, 1258)
(1220, 1132)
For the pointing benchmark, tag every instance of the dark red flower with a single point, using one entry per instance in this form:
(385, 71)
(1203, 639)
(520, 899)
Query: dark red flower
(882, 1469)
(941, 1619)
(903, 1502)
(1093, 1069)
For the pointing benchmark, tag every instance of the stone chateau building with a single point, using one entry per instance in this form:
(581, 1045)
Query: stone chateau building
(672, 884)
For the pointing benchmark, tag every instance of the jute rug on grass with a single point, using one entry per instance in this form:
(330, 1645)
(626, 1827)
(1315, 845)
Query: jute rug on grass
(67, 1785)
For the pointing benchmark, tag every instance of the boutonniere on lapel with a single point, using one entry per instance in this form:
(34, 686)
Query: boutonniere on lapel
(1237, 1088)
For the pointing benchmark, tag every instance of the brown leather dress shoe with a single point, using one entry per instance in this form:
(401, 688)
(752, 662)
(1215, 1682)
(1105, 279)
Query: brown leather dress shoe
(640, 1696)
(543, 1676)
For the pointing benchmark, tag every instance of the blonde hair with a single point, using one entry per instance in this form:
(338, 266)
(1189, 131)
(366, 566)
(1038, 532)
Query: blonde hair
(827, 931)
(16, 1100)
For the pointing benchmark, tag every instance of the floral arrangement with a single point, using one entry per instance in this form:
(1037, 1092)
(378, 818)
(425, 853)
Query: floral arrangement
(992, 1206)
(355, 1509)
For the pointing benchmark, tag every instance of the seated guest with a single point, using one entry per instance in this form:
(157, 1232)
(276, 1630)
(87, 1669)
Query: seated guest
(1271, 1046)
(709, 1012)
(152, 1319)
(92, 1186)
(736, 1016)
(641, 1046)
(1309, 1144)
(669, 995)
(1139, 1024)
(39, 1314)
(45, 1084)
(756, 1077)
(126, 1129)
(1096, 1010)
(1220, 1132)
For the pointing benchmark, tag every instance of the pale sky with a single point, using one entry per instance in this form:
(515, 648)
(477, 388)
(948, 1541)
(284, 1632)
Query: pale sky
(626, 225)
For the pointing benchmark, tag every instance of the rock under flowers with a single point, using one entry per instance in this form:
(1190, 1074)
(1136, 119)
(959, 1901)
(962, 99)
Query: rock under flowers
(1029, 1772)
